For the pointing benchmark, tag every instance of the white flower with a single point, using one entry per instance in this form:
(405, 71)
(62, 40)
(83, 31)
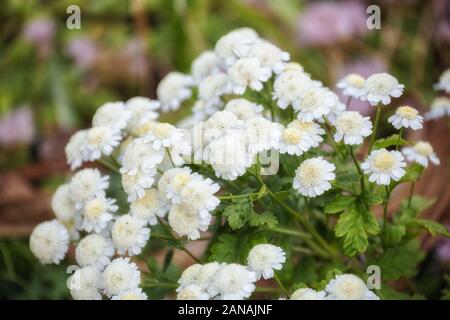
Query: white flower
(314, 103)
(163, 135)
(173, 89)
(177, 181)
(406, 117)
(289, 87)
(444, 82)
(120, 276)
(139, 155)
(202, 110)
(186, 221)
(100, 141)
(307, 294)
(199, 195)
(192, 292)
(349, 287)
(220, 124)
(150, 206)
(262, 135)
(440, 107)
(384, 165)
(313, 176)
(141, 109)
(85, 284)
(234, 282)
(181, 152)
(352, 85)
(129, 235)
(113, 115)
(87, 184)
(204, 65)
(75, 151)
(49, 242)
(235, 43)
(380, 87)
(206, 276)
(95, 250)
(263, 259)
(244, 109)
(293, 66)
(352, 127)
(189, 276)
(62, 204)
(136, 184)
(213, 87)
(269, 55)
(421, 152)
(132, 294)
(247, 73)
(335, 111)
(166, 179)
(300, 136)
(97, 213)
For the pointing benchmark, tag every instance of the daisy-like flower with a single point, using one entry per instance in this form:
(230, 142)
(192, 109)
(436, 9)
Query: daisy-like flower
(136, 184)
(129, 235)
(132, 294)
(163, 135)
(349, 287)
(111, 114)
(352, 85)
(263, 259)
(87, 184)
(97, 212)
(307, 294)
(262, 135)
(100, 141)
(62, 204)
(244, 109)
(234, 282)
(94, 250)
(202, 110)
(421, 152)
(206, 276)
(293, 66)
(166, 178)
(213, 87)
(269, 55)
(186, 221)
(444, 82)
(204, 65)
(406, 117)
(85, 284)
(300, 136)
(139, 155)
(75, 151)
(199, 195)
(177, 181)
(247, 73)
(289, 87)
(220, 124)
(120, 276)
(150, 206)
(173, 89)
(314, 103)
(380, 87)
(383, 165)
(313, 176)
(192, 292)
(352, 127)
(235, 44)
(49, 242)
(189, 276)
(440, 107)
(141, 109)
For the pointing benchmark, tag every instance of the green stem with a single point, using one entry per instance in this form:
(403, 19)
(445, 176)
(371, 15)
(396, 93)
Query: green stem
(411, 193)
(108, 163)
(170, 157)
(191, 255)
(385, 206)
(238, 196)
(361, 174)
(280, 284)
(399, 138)
(375, 127)
(290, 232)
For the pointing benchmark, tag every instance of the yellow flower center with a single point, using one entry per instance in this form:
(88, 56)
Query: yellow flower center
(423, 148)
(310, 173)
(96, 135)
(130, 296)
(162, 130)
(310, 100)
(180, 180)
(384, 161)
(302, 126)
(292, 135)
(407, 112)
(355, 80)
(94, 208)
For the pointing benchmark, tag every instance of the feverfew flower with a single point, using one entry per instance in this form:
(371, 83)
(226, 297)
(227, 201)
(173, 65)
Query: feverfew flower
(97, 212)
(380, 87)
(202, 110)
(289, 86)
(244, 109)
(444, 82)
(300, 136)
(199, 195)
(352, 85)
(129, 235)
(313, 176)
(440, 107)
(189, 276)
(263, 259)
(421, 152)
(49, 242)
(269, 55)
(120, 276)
(352, 127)
(349, 287)
(100, 141)
(141, 109)
(95, 250)
(132, 294)
(186, 221)
(177, 180)
(220, 124)
(62, 204)
(87, 184)
(307, 294)
(111, 114)
(173, 89)
(234, 282)
(206, 276)
(213, 87)
(140, 155)
(235, 43)
(85, 284)
(406, 117)
(314, 103)
(384, 165)
(136, 184)
(247, 73)
(163, 135)
(192, 292)
(75, 151)
(204, 65)
(262, 135)
(150, 206)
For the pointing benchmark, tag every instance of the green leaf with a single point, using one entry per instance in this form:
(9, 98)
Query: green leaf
(413, 209)
(394, 234)
(225, 249)
(413, 173)
(264, 219)
(238, 213)
(372, 199)
(388, 293)
(388, 142)
(338, 204)
(433, 227)
(262, 192)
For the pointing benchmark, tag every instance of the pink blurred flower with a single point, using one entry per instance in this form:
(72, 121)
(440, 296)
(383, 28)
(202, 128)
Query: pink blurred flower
(17, 127)
(325, 23)
(135, 53)
(443, 250)
(40, 33)
(83, 51)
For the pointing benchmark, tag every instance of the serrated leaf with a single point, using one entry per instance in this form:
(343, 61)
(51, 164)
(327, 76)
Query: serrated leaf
(264, 219)
(388, 142)
(413, 173)
(412, 209)
(238, 213)
(394, 234)
(225, 249)
(433, 227)
(338, 204)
